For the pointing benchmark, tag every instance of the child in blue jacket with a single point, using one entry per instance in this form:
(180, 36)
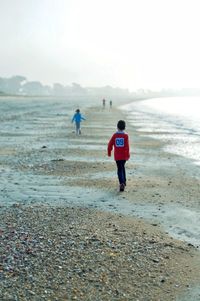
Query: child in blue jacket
(78, 118)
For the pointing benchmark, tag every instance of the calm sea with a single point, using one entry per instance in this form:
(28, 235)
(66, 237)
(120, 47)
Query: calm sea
(175, 120)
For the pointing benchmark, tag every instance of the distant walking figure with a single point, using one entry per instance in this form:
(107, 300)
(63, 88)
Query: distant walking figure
(78, 118)
(104, 102)
(110, 103)
(120, 141)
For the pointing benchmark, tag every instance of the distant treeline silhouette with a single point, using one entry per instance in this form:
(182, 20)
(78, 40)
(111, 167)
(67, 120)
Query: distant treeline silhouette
(19, 85)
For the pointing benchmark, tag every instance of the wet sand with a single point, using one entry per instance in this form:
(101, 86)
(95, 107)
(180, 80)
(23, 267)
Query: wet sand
(68, 234)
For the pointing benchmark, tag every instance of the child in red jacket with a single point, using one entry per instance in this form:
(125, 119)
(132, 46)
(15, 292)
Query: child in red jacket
(120, 141)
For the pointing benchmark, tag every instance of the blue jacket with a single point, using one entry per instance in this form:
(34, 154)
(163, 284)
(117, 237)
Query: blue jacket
(77, 117)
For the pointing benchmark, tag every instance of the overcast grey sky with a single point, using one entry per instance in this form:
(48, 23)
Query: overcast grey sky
(127, 43)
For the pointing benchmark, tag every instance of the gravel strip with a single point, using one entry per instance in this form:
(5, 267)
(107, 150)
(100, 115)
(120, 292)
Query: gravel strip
(52, 253)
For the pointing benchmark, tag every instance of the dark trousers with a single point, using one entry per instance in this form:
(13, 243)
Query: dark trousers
(121, 172)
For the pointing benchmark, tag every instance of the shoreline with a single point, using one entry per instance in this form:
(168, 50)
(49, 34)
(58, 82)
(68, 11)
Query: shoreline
(170, 267)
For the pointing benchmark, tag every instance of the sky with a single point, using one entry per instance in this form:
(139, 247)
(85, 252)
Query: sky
(149, 44)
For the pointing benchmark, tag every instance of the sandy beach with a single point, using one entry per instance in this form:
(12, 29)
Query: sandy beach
(68, 234)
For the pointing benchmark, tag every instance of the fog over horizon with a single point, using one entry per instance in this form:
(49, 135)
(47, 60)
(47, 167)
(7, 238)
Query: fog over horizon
(129, 44)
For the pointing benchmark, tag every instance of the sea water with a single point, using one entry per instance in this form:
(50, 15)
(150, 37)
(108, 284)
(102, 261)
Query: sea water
(175, 120)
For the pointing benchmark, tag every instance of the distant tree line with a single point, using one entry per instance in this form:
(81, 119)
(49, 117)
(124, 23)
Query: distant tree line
(19, 85)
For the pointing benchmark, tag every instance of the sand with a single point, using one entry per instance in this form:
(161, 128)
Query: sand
(68, 234)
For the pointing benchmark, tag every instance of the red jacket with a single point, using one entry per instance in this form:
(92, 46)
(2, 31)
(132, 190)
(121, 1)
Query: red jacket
(120, 141)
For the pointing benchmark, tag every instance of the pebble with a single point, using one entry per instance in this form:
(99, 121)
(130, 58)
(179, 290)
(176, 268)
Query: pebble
(50, 253)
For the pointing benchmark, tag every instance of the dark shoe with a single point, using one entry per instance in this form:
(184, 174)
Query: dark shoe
(121, 187)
